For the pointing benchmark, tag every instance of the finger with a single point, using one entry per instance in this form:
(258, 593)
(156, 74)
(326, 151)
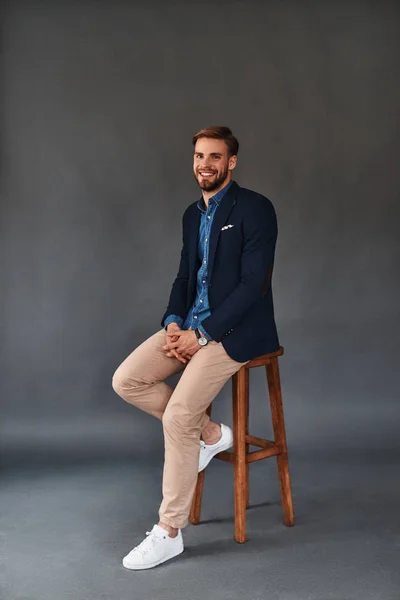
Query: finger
(172, 354)
(178, 356)
(173, 338)
(171, 346)
(181, 358)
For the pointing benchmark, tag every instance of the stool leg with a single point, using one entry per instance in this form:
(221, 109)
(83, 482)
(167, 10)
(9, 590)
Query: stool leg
(240, 388)
(247, 412)
(195, 509)
(278, 423)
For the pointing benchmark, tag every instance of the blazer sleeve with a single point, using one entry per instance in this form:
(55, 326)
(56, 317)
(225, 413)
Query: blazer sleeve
(178, 296)
(260, 233)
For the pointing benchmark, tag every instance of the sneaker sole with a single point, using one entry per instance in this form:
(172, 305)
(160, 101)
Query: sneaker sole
(159, 562)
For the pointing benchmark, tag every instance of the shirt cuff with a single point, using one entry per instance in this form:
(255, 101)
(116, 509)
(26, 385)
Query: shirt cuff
(204, 332)
(173, 319)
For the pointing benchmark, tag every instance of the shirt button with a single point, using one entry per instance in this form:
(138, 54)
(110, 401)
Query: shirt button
(204, 280)
(206, 239)
(205, 262)
(195, 317)
(208, 217)
(201, 300)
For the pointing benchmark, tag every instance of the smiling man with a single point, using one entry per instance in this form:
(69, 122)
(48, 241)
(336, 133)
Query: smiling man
(219, 316)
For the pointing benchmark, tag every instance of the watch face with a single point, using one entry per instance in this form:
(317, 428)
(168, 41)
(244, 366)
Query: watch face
(202, 341)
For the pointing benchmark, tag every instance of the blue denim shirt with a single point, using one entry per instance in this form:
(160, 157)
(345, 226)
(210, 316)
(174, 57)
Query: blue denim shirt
(200, 308)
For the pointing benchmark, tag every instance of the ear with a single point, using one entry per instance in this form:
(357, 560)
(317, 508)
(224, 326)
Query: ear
(232, 162)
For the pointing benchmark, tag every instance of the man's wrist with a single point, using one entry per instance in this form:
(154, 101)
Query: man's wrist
(201, 339)
(204, 333)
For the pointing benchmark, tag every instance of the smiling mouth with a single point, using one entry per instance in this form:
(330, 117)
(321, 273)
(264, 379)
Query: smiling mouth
(206, 173)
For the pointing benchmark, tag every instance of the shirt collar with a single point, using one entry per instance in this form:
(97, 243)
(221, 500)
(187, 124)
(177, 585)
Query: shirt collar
(217, 198)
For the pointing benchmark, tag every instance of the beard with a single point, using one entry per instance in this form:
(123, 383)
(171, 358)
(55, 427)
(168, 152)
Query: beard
(212, 183)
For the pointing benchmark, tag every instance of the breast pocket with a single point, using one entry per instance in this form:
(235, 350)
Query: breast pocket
(230, 242)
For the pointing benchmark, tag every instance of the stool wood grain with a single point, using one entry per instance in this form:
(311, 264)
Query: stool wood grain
(241, 456)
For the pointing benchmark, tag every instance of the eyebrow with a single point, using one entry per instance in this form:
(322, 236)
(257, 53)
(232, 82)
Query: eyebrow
(212, 153)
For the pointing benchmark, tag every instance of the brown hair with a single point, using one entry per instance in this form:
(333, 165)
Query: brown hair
(221, 133)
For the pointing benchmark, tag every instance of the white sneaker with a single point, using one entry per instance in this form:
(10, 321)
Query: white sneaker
(156, 548)
(208, 451)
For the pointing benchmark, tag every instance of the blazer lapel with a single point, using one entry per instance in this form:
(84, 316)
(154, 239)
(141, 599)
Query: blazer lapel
(220, 218)
(193, 237)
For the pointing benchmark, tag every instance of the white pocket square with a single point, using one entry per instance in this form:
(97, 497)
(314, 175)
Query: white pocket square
(226, 227)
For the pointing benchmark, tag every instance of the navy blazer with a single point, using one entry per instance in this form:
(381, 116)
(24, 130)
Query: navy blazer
(240, 265)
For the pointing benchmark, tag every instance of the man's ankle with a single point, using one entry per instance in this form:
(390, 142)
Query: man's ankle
(213, 435)
(172, 531)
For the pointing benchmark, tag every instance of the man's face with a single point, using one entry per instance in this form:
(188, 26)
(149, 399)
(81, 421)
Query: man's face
(212, 164)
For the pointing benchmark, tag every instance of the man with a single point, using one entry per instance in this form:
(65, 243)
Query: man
(220, 315)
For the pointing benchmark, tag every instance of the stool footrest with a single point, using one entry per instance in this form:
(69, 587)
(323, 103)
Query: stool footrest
(264, 453)
(260, 442)
(268, 449)
(225, 456)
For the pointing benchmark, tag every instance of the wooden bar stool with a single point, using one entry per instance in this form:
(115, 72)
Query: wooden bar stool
(241, 457)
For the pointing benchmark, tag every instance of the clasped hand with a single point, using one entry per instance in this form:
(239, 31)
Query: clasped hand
(181, 343)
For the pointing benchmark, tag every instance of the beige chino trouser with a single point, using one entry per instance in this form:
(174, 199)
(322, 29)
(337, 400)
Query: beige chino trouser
(139, 381)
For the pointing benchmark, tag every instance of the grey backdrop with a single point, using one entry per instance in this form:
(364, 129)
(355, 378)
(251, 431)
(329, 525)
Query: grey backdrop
(99, 106)
(99, 103)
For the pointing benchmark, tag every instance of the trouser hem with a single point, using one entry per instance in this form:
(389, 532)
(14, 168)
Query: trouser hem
(173, 522)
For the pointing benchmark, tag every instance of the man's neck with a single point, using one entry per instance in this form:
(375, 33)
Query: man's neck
(207, 195)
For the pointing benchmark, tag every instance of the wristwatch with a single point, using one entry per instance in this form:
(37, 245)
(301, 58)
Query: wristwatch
(203, 341)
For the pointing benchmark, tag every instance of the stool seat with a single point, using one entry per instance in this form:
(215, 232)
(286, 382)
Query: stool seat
(241, 457)
(263, 359)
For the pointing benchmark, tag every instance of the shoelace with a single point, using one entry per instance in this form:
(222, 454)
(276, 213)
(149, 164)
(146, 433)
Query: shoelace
(149, 542)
